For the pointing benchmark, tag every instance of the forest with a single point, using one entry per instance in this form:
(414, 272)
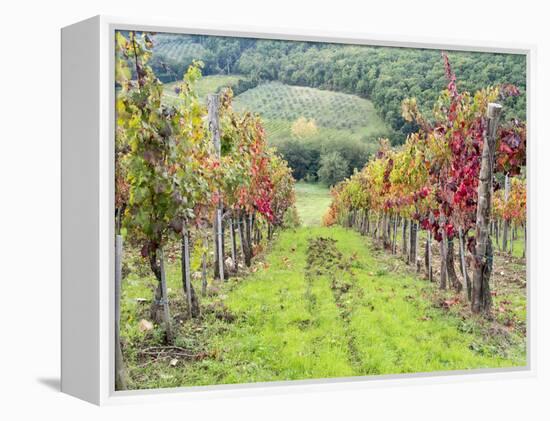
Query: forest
(290, 210)
(384, 75)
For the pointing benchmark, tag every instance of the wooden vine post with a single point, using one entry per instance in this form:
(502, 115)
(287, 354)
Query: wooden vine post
(506, 224)
(204, 263)
(443, 254)
(186, 270)
(429, 244)
(511, 245)
(233, 243)
(412, 243)
(416, 246)
(404, 250)
(214, 127)
(467, 288)
(164, 299)
(121, 382)
(481, 294)
(394, 244)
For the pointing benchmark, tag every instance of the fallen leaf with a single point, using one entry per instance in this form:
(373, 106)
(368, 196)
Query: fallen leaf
(145, 325)
(450, 303)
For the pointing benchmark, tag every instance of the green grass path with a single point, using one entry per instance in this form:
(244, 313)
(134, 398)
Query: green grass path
(312, 201)
(287, 325)
(283, 331)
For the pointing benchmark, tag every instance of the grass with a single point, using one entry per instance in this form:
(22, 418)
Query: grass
(312, 201)
(289, 326)
(206, 85)
(177, 47)
(517, 245)
(337, 116)
(351, 311)
(334, 113)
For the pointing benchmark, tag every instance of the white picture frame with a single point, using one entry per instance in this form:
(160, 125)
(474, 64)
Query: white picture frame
(88, 207)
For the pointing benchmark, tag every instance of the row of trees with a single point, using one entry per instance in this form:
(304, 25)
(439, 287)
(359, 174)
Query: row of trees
(441, 181)
(326, 160)
(184, 170)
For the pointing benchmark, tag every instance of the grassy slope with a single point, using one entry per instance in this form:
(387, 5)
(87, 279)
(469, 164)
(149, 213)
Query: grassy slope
(395, 329)
(280, 105)
(289, 326)
(284, 332)
(337, 115)
(177, 47)
(312, 201)
(205, 86)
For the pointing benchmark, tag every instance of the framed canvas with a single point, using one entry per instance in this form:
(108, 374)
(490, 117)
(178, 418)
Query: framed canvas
(253, 210)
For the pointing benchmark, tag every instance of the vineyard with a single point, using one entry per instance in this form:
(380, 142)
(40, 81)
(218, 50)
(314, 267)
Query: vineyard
(177, 47)
(228, 270)
(204, 86)
(442, 181)
(281, 105)
(173, 49)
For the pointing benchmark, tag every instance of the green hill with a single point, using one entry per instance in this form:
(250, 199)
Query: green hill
(205, 85)
(334, 121)
(281, 105)
(179, 48)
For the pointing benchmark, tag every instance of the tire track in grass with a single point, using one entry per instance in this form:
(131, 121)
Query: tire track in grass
(324, 259)
(292, 329)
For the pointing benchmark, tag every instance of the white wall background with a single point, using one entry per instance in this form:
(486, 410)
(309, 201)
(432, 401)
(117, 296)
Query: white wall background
(29, 205)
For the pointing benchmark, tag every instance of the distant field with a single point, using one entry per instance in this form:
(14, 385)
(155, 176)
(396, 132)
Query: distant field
(312, 201)
(178, 47)
(336, 114)
(281, 105)
(206, 85)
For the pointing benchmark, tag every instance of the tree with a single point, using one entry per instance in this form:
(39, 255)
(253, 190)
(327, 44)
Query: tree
(333, 168)
(303, 128)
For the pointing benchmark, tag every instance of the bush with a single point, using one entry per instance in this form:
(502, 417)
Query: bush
(333, 168)
(291, 218)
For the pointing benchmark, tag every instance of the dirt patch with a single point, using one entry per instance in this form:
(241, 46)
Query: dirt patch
(220, 311)
(171, 353)
(324, 258)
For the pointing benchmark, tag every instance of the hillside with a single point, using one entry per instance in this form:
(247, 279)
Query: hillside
(342, 123)
(281, 105)
(173, 53)
(178, 47)
(204, 86)
(384, 75)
